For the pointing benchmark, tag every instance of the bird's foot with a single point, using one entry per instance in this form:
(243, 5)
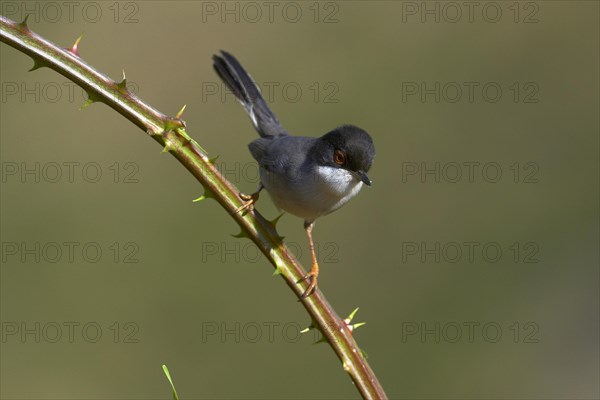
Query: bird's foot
(312, 278)
(249, 200)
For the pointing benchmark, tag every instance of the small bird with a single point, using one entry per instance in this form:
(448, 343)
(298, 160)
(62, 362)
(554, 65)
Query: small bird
(305, 176)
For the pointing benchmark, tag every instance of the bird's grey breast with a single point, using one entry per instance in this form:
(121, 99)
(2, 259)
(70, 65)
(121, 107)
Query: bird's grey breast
(296, 183)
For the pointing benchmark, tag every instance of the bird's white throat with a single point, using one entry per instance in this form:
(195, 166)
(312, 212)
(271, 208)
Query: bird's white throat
(340, 183)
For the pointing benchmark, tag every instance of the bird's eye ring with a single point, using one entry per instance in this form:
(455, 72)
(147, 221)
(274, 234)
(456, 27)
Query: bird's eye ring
(339, 157)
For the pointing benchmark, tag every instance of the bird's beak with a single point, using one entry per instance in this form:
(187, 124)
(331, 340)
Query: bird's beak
(363, 177)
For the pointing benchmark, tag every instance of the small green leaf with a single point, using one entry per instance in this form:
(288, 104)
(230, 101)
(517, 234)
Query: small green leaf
(166, 371)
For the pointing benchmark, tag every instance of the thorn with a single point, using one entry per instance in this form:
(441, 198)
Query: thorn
(167, 147)
(23, 24)
(241, 235)
(207, 195)
(169, 144)
(275, 220)
(87, 103)
(92, 98)
(180, 113)
(352, 314)
(75, 48)
(349, 319)
(278, 271)
(322, 340)
(308, 328)
(214, 159)
(122, 86)
(37, 64)
(356, 326)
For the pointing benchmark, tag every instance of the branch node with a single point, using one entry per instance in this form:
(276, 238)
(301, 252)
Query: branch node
(173, 123)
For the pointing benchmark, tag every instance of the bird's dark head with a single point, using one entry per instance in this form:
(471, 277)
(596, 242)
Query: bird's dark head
(347, 147)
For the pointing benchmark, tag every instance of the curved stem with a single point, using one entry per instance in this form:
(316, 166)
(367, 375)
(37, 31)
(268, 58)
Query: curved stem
(170, 133)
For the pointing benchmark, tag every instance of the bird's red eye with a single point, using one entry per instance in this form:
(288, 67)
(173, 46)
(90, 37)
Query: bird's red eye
(339, 157)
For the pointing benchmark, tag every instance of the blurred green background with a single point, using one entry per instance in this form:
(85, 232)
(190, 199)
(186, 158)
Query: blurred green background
(172, 286)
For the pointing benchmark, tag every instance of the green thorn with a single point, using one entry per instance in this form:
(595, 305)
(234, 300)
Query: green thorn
(214, 159)
(358, 325)
(75, 48)
(275, 220)
(209, 194)
(92, 98)
(122, 86)
(278, 271)
(87, 103)
(37, 64)
(180, 113)
(166, 371)
(322, 340)
(349, 319)
(308, 328)
(241, 235)
(168, 146)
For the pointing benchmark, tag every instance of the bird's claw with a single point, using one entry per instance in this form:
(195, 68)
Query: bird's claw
(249, 200)
(312, 286)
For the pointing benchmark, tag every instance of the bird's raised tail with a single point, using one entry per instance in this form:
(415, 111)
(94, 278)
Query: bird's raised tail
(247, 92)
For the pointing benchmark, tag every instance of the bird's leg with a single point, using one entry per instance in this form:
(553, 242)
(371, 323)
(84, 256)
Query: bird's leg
(313, 274)
(249, 199)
